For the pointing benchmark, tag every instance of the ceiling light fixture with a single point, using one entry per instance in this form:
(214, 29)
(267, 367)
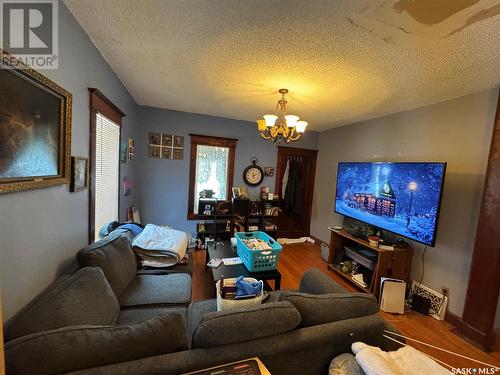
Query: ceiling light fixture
(281, 126)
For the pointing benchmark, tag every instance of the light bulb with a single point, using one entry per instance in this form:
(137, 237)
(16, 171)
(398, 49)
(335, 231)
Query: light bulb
(261, 125)
(270, 120)
(291, 120)
(300, 126)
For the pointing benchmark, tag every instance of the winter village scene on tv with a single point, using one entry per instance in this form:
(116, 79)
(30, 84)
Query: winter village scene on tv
(400, 197)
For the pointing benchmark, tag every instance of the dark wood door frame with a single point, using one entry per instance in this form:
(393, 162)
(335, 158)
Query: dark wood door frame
(283, 153)
(478, 320)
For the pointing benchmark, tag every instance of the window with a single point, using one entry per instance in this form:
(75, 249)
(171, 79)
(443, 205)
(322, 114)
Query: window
(211, 170)
(107, 151)
(105, 126)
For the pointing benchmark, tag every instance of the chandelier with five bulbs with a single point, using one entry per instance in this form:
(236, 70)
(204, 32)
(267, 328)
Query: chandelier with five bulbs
(280, 126)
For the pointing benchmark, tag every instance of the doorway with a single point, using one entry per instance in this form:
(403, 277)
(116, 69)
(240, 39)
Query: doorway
(295, 173)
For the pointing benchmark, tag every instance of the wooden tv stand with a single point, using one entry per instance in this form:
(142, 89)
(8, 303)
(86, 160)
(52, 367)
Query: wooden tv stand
(390, 263)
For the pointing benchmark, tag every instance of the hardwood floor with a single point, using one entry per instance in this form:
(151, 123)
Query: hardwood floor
(295, 259)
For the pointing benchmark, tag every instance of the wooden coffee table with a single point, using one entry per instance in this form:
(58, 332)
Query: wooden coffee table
(223, 249)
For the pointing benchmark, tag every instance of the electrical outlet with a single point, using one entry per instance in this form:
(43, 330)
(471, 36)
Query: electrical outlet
(445, 291)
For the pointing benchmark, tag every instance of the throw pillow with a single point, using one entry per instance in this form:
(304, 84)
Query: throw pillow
(114, 256)
(227, 327)
(82, 298)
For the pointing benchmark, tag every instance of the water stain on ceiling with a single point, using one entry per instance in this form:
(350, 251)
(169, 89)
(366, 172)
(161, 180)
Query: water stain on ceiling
(419, 23)
(479, 16)
(430, 12)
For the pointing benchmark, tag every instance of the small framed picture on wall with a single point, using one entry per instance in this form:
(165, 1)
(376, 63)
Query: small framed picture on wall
(268, 171)
(154, 151)
(154, 138)
(79, 174)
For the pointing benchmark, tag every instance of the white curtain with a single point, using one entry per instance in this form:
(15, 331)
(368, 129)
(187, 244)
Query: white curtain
(211, 172)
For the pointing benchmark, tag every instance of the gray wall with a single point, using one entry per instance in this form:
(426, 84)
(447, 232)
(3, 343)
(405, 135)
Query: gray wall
(41, 230)
(458, 132)
(162, 185)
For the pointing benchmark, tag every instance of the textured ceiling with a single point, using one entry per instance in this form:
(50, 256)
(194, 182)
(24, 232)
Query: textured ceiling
(343, 61)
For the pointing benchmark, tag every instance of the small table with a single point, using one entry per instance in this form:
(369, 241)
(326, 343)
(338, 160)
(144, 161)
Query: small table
(223, 249)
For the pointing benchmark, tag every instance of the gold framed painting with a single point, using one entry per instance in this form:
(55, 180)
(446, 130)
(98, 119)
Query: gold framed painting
(35, 128)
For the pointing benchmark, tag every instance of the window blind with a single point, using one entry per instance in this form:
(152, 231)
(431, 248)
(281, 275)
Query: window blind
(107, 159)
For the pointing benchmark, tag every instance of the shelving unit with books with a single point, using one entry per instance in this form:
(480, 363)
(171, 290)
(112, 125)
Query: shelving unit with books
(217, 225)
(252, 215)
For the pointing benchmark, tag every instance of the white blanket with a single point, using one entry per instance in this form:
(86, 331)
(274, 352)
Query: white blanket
(406, 360)
(285, 241)
(161, 245)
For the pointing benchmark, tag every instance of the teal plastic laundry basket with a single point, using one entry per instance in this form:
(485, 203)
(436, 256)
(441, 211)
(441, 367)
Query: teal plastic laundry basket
(258, 260)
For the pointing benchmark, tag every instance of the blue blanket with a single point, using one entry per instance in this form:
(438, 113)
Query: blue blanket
(245, 288)
(134, 228)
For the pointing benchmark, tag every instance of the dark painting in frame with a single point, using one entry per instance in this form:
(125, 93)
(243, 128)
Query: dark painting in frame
(35, 128)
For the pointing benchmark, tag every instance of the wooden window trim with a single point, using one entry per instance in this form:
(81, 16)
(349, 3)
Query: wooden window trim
(98, 103)
(205, 140)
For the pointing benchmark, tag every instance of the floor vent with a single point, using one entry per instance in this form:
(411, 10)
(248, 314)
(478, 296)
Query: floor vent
(438, 300)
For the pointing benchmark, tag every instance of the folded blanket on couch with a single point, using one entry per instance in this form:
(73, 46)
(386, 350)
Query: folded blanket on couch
(160, 246)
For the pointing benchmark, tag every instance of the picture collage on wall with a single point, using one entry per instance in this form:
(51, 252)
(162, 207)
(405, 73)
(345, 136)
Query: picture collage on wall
(166, 146)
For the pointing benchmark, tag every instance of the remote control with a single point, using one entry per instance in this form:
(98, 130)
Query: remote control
(214, 262)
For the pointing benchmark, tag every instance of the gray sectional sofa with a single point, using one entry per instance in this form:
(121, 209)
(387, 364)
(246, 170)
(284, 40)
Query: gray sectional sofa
(107, 319)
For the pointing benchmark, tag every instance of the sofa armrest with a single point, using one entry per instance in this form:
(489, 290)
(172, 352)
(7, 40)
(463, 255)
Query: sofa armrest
(326, 308)
(316, 282)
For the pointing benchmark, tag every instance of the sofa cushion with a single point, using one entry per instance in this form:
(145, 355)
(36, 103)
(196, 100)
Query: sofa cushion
(138, 315)
(158, 290)
(79, 347)
(115, 257)
(326, 308)
(79, 299)
(227, 327)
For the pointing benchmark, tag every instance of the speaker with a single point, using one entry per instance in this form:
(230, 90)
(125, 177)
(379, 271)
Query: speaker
(392, 295)
(420, 304)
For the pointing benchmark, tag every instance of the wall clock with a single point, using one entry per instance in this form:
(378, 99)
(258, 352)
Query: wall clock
(253, 174)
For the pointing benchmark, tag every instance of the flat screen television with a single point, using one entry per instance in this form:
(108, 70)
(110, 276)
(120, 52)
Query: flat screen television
(402, 198)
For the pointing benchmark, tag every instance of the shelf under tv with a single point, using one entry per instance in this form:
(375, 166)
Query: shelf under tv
(348, 277)
(390, 263)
